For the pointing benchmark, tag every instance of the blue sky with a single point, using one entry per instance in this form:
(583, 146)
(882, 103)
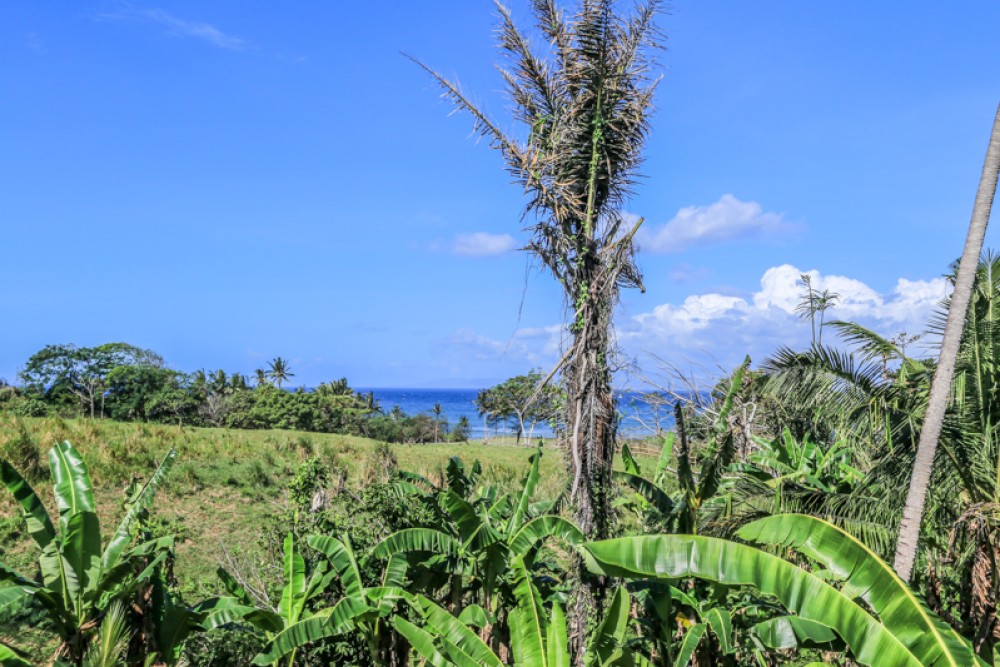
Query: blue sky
(228, 182)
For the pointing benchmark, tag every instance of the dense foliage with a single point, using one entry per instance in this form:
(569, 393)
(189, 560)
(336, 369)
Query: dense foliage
(126, 383)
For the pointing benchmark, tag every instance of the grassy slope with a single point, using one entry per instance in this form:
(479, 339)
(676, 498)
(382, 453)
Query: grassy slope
(225, 481)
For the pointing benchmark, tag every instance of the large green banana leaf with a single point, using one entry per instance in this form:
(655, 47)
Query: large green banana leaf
(36, 519)
(730, 563)
(293, 596)
(867, 576)
(326, 623)
(421, 641)
(789, 632)
(73, 489)
(453, 633)
(529, 622)
(417, 539)
(688, 645)
(648, 490)
(342, 559)
(605, 646)
(81, 548)
(123, 534)
(557, 639)
(527, 490)
(544, 527)
(10, 658)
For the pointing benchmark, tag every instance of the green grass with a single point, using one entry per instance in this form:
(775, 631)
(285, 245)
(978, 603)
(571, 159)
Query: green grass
(226, 487)
(226, 483)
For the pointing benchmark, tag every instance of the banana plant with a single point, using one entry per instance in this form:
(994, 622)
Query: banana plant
(78, 580)
(666, 612)
(680, 511)
(291, 625)
(674, 623)
(879, 618)
(538, 636)
(806, 464)
(470, 551)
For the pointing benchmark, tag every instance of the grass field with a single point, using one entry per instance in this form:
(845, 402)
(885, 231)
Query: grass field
(226, 483)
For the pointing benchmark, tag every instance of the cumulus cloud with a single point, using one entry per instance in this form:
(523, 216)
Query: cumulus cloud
(483, 244)
(714, 330)
(181, 27)
(725, 220)
(729, 326)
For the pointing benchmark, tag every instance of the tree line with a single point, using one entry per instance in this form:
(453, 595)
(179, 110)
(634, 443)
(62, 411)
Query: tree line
(127, 383)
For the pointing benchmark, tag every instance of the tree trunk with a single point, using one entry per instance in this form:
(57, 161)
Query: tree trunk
(909, 527)
(591, 437)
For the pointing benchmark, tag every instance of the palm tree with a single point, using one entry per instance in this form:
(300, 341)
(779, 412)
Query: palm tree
(437, 421)
(814, 301)
(913, 510)
(261, 378)
(278, 371)
(584, 103)
(882, 412)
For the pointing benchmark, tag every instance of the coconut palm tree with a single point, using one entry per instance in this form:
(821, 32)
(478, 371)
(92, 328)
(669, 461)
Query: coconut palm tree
(913, 510)
(437, 421)
(584, 102)
(882, 413)
(278, 371)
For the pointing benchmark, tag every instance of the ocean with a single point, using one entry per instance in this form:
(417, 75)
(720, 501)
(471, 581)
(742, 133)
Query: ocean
(638, 418)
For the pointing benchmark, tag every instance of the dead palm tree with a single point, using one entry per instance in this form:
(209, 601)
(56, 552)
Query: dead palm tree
(584, 102)
(909, 527)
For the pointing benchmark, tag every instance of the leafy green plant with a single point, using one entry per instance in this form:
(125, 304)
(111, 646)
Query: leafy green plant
(478, 534)
(879, 618)
(292, 625)
(538, 636)
(78, 581)
(681, 511)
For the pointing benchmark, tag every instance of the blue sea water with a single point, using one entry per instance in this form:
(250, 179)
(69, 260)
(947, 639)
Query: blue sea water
(638, 418)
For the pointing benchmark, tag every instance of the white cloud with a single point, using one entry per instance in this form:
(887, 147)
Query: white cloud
(538, 346)
(482, 244)
(725, 220)
(727, 327)
(183, 28)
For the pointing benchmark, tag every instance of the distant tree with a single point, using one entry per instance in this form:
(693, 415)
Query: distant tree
(461, 431)
(238, 382)
(437, 421)
(129, 390)
(369, 402)
(82, 371)
(522, 398)
(199, 383)
(336, 388)
(218, 383)
(814, 301)
(278, 371)
(261, 378)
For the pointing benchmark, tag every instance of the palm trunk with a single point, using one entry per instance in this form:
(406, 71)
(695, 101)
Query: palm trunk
(591, 418)
(909, 527)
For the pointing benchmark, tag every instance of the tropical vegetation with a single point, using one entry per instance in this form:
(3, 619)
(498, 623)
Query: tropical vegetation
(757, 531)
